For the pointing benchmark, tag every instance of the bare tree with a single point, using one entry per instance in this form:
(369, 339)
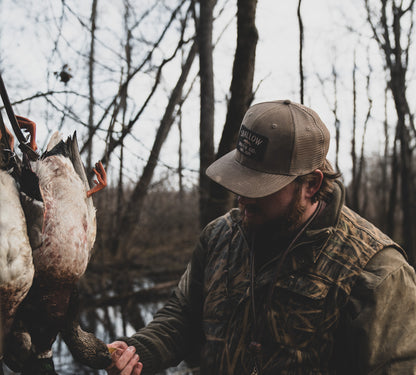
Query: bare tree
(301, 41)
(114, 106)
(123, 106)
(333, 105)
(393, 193)
(385, 161)
(206, 124)
(241, 95)
(91, 64)
(180, 155)
(132, 210)
(337, 122)
(388, 25)
(357, 188)
(353, 201)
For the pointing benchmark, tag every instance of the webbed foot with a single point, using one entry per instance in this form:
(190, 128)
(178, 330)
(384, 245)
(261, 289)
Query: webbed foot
(101, 177)
(30, 126)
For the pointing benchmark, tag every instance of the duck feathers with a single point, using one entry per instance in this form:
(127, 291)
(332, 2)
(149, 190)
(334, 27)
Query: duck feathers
(16, 263)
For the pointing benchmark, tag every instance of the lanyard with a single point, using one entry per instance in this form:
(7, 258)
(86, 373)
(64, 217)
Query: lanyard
(23, 143)
(255, 346)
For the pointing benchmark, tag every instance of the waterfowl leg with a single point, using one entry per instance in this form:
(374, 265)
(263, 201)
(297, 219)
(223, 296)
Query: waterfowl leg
(30, 126)
(101, 177)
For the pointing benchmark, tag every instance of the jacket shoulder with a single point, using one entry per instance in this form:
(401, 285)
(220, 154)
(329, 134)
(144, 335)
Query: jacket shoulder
(219, 227)
(382, 265)
(362, 230)
(352, 244)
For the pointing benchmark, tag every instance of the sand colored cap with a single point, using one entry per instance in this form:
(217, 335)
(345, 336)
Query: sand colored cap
(278, 141)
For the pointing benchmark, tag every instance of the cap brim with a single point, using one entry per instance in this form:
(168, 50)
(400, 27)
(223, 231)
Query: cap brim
(247, 182)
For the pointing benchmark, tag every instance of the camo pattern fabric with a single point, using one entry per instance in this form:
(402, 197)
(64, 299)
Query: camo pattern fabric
(298, 309)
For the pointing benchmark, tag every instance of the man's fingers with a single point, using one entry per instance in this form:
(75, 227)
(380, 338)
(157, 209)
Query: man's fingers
(118, 344)
(116, 354)
(138, 369)
(116, 349)
(130, 367)
(125, 359)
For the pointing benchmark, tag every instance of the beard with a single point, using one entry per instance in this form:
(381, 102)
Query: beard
(286, 224)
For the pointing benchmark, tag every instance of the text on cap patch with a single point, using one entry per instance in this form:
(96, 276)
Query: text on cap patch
(252, 144)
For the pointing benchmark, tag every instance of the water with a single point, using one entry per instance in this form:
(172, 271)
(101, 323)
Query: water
(98, 322)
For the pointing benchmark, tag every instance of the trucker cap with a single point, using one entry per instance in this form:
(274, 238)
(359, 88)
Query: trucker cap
(278, 141)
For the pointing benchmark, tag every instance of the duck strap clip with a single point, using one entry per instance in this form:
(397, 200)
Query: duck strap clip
(23, 143)
(3, 131)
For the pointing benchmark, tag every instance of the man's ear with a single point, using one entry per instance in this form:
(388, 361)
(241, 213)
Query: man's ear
(313, 183)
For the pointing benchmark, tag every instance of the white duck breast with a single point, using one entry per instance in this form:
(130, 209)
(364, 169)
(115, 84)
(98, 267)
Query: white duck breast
(69, 221)
(15, 252)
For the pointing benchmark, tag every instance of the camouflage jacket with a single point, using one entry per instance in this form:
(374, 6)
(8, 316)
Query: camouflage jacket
(343, 303)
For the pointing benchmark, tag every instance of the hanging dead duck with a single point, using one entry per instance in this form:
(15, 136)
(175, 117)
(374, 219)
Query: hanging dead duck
(16, 265)
(62, 247)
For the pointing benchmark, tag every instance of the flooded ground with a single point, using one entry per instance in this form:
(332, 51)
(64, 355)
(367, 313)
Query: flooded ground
(65, 364)
(110, 299)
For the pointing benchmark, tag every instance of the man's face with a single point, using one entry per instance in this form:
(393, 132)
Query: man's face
(283, 209)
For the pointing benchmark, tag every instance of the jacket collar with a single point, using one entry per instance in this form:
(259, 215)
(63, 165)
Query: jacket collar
(310, 244)
(329, 217)
(320, 230)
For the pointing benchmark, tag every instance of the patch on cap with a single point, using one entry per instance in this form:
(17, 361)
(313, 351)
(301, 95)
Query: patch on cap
(252, 144)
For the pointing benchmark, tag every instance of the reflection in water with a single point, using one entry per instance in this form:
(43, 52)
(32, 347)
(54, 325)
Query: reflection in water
(98, 321)
(161, 247)
(65, 364)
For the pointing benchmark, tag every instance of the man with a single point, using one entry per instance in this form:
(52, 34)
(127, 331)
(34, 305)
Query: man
(292, 282)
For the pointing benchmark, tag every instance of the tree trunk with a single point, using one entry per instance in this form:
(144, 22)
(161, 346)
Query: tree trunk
(353, 196)
(391, 210)
(301, 76)
(206, 124)
(361, 189)
(385, 163)
(131, 214)
(91, 83)
(337, 122)
(241, 96)
(134, 71)
(180, 156)
(123, 106)
(388, 32)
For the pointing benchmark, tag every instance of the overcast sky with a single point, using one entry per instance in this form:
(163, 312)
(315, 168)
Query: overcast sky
(328, 42)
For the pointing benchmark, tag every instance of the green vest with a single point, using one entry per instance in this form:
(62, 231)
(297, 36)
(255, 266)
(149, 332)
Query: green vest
(297, 311)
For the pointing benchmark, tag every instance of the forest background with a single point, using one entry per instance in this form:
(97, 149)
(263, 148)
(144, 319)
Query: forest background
(157, 91)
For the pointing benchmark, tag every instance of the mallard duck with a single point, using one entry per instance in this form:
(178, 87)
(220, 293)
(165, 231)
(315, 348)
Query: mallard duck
(62, 233)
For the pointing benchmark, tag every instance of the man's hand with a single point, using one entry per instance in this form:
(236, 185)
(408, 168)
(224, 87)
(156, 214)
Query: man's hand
(125, 359)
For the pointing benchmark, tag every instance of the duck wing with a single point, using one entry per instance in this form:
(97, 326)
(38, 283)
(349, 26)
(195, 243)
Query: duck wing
(16, 265)
(70, 151)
